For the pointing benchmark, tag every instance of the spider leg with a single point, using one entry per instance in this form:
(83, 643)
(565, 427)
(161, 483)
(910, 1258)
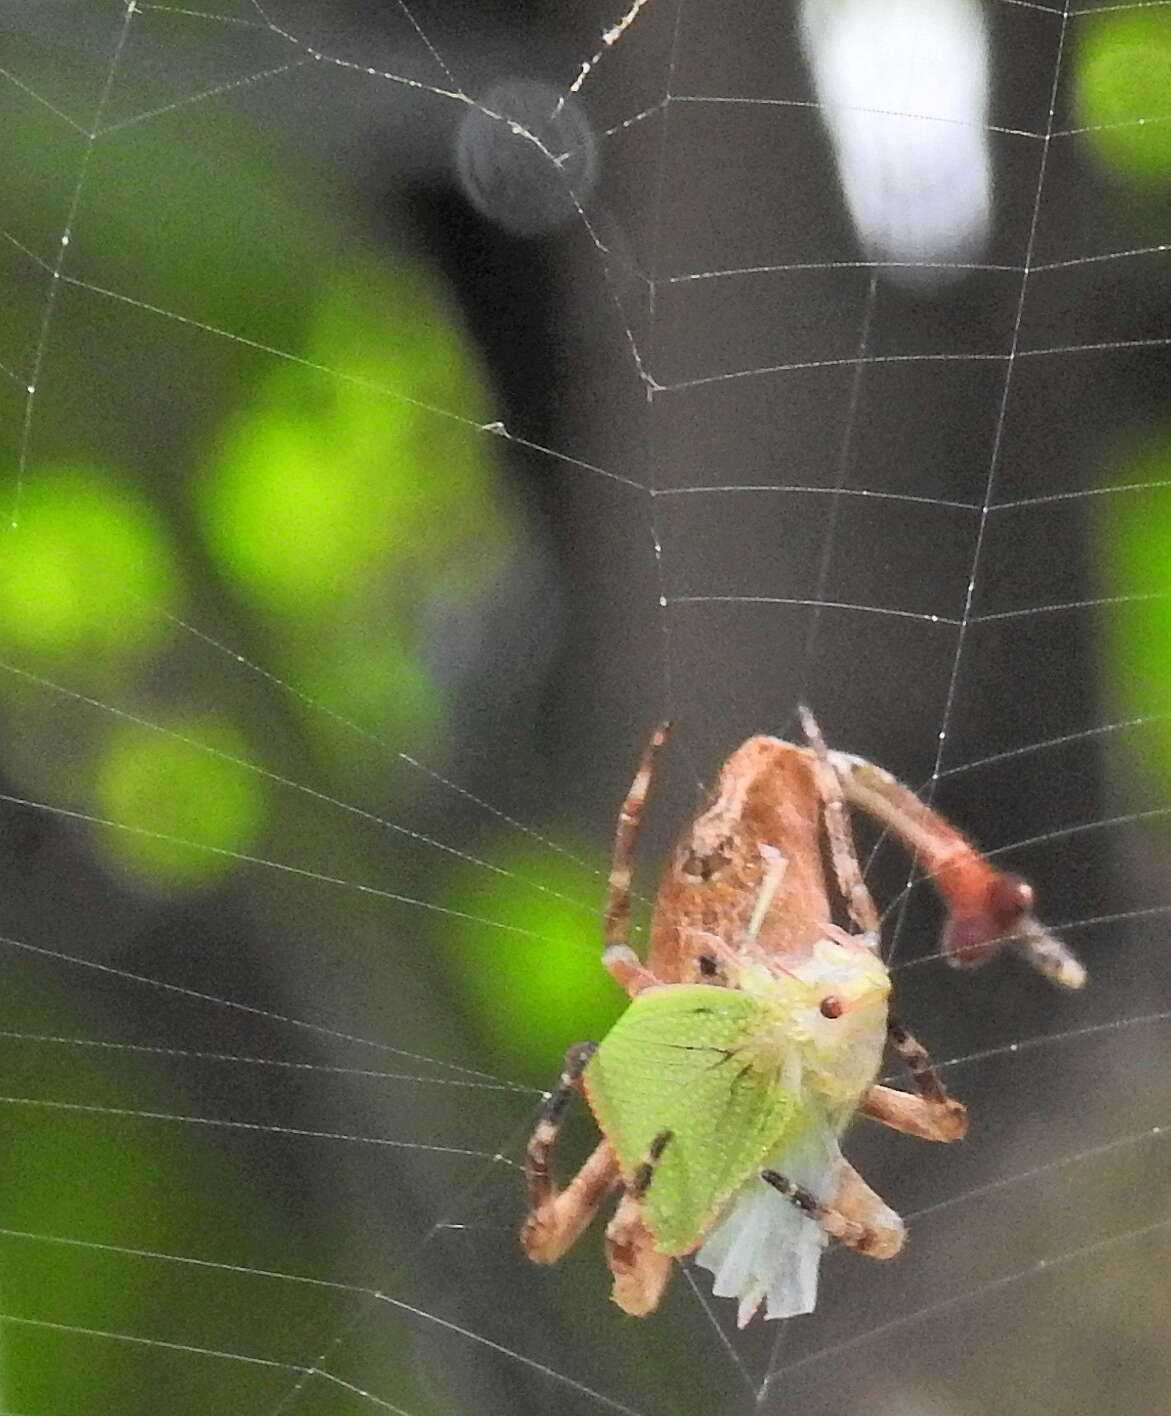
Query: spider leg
(877, 1241)
(987, 908)
(837, 829)
(857, 1201)
(641, 1180)
(928, 1112)
(640, 1270)
(557, 1217)
(917, 1061)
(910, 1114)
(619, 958)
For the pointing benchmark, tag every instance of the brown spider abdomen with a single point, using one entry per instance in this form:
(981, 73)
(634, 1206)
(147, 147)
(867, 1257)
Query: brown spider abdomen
(767, 796)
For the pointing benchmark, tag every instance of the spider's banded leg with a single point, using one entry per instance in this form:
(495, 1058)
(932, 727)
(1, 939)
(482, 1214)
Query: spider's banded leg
(557, 1217)
(640, 1271)
(950, 1116)
(877, 1242)
(619, 958)
(640, 1181)
(549, 1231)
(987, 908)
(539, 1151)
(837, 829)
(910, 1114)
(857, 1201)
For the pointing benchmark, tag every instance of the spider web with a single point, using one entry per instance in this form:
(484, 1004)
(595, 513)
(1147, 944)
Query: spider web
(263, 1140)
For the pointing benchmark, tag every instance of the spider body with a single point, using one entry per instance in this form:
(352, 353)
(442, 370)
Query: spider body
(756, 1030)
(766, 797)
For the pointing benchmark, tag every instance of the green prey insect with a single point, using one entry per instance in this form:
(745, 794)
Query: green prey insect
(755, 1032)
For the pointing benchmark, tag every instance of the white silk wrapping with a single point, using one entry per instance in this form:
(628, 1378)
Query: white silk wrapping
(764, 1248)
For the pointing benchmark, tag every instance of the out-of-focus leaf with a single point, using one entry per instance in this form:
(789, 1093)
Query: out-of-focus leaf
(163, 787)
(98, 1209)
(345, 497)
(1136, 546)
(531, 997)
(86, 574)
(1124, 89)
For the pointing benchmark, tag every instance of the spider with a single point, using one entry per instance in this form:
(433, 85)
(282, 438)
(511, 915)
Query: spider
(756, 1030)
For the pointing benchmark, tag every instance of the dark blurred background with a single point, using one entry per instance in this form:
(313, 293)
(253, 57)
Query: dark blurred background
(377, 482)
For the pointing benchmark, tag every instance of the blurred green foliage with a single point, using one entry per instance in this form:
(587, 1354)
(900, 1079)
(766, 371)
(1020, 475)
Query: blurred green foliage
(171, 790)
(338, 468)
(530, 998)
(1135, 543)
(250, 433)
(89, 577)
(117, 1182)
(342, 506)
(337, 507)
(1124, 92)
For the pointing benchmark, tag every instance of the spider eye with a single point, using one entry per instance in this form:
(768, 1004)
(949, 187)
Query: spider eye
(707, 965)
(831, 1007)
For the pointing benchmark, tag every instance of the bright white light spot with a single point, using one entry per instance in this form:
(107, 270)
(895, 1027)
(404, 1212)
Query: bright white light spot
(904, 92)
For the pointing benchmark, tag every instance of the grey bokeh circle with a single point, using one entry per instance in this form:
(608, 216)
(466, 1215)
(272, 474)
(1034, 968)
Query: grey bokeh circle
(526, 156)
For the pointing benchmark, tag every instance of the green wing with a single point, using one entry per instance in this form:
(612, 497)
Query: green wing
(686, 1058)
